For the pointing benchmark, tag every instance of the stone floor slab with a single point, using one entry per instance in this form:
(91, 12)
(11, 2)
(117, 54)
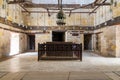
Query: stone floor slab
(46, 76)
(91, 62)
(88, 76)
(112, 75)
(13, 76)
(2, 74)
(117, 72)
(60, 76)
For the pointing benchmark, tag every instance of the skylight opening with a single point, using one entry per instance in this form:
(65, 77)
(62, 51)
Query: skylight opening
(64, 1)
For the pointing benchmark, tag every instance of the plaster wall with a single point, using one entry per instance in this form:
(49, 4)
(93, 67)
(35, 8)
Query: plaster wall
(12, 12)
(42, 19)
(42, 38)
(108, 37)
(70, 37)
(105, 13)
(47, 37)
(5, 42)
(106, 41)
(117, 41)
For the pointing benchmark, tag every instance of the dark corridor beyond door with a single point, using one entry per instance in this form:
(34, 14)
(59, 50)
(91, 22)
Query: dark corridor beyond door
(88, 42)
(31, 41)
(58, 36)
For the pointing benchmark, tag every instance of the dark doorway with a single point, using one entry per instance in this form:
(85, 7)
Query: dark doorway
(87, 41)
(31, 42)
(58, 36)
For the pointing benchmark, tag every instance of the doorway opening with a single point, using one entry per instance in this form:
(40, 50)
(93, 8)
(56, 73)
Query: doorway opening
(58, 36)
(87, 41)
(31, 42)
(14, 43)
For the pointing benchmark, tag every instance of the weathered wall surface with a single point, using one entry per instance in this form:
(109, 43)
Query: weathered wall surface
(116, 12)
(11, 12)
(14, 14)
(47, 37)
(42, 38)
(42, 19)
(116, 8)
(105, 13)
(4, 42)
(106, 41)
(117, 41)
(23, 42)
(70, 37)
(74, 36)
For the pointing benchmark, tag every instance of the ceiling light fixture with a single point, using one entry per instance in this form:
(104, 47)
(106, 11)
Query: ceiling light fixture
(61, 16)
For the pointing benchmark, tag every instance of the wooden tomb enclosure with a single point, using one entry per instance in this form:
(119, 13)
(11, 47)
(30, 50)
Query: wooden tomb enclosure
(59, 50)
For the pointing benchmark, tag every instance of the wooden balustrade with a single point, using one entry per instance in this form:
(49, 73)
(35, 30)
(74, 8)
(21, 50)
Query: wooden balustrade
(60, 50)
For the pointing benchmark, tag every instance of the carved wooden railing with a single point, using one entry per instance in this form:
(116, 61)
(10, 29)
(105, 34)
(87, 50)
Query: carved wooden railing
(60, 49)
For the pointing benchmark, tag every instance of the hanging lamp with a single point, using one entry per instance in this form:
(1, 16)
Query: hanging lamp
(61, 16)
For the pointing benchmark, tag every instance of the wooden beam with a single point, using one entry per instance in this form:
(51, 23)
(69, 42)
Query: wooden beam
(24, 8)
(48, 12)
(16, 2)
(54, 12)
(98, 32)
(70, 13)
(90, 28)
(10, 23)
(103, 4)
(97, 7)
(59, 9)
(92, 5)
(84, 6)
(96, 1)
(29, 4)
(51, 5)
(12, 30)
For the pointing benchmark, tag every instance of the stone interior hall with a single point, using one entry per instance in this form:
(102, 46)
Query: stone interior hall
(59, 39)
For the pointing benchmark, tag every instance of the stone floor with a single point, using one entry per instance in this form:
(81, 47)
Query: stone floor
(59, 76)
(93, 67)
